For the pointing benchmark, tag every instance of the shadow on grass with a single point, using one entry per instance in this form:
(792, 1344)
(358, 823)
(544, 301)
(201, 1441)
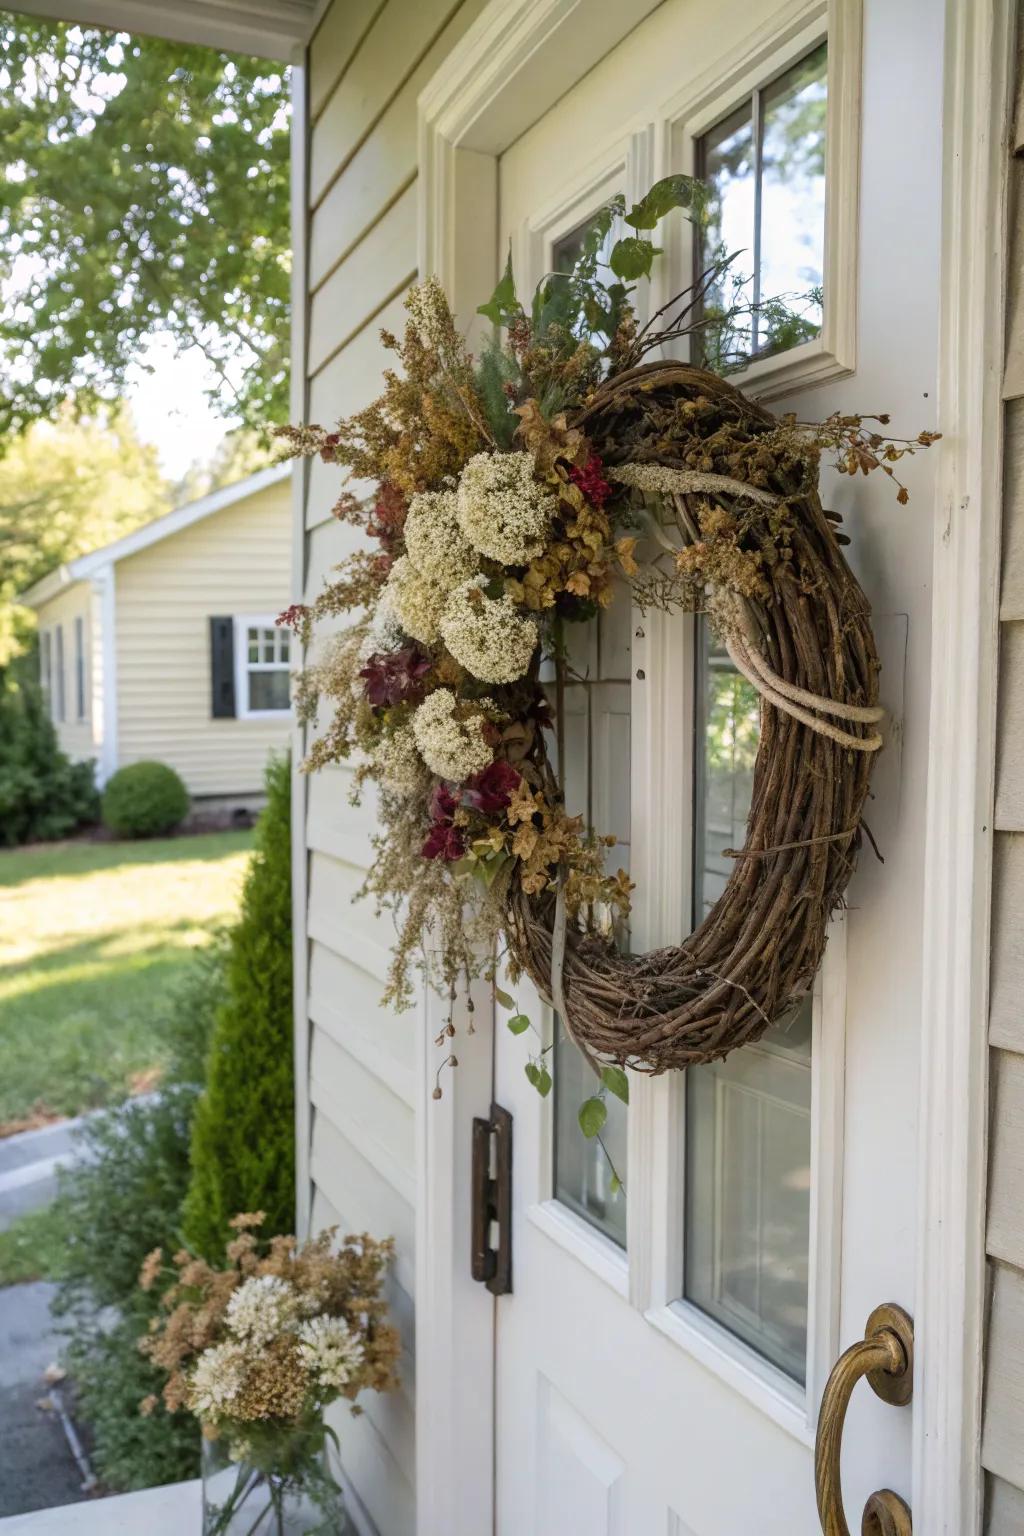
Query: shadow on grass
(66, 860)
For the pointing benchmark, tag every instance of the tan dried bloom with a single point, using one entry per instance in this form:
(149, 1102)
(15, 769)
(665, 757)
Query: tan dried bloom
(148, 1405)
(152, 1264)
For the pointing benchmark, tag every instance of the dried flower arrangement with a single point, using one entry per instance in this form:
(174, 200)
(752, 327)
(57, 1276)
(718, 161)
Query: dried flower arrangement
(259, 1349)
(512, 492)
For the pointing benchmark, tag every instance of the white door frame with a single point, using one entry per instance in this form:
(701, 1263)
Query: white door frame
(949, 1322)
(509, 69)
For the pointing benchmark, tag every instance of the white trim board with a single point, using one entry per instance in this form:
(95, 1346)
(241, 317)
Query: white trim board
(947, 1483)
(271, 29)
(152, 533)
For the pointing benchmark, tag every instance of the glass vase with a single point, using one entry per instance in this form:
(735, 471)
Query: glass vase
(277, 1484)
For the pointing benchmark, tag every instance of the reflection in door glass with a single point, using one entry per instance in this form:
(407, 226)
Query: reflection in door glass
(748, 1118)
(597, 780)
(765, 167)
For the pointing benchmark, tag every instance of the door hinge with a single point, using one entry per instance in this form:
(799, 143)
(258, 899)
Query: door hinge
(491, 1216)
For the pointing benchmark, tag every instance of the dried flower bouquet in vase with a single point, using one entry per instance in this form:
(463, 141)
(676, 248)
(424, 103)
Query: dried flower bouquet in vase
(258, 1351)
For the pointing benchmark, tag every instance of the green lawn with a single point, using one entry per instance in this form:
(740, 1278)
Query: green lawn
(90, 936)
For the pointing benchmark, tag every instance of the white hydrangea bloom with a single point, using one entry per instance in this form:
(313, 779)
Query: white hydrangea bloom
(416, 601)
(397, 760)
(435, 542)
(503, 509)
(330, 1351)
(262, 1307)
(217, 1378)
(452, 747)
(488, 636)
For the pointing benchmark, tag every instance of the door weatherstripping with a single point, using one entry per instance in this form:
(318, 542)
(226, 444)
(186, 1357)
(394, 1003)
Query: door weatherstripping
(492, 1201)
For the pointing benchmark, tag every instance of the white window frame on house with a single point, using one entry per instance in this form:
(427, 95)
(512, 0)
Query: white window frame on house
(81, 695)
(243, 622)
(60, 692)
(46, 668)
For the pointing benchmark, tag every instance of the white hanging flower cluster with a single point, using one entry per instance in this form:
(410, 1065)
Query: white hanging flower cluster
(503, 509)
(434, 541)
(451, 742)
(489, 636)
(416, 601)
(397, 760)
(330, 1351)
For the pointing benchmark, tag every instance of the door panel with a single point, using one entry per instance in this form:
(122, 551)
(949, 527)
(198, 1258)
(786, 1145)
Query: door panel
(658, 1384)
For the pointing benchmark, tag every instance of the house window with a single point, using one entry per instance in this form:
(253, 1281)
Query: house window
(765, 166)
(79, 668)
(60, 696)
(46, 668)
(748, 1118)
(262, 659)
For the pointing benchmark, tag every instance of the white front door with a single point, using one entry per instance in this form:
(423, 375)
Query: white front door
(683, 1284)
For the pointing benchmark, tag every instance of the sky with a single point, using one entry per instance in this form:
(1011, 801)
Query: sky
(171, 410)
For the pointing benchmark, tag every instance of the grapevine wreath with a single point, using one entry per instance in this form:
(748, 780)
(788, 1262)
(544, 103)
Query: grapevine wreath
(512, 496)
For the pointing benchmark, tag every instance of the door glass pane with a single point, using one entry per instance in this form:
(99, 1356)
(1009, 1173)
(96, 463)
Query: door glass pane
(726, 162)
(764, 165)
(597, 785)
(748, 1118)
(268, 690)
(793, 200)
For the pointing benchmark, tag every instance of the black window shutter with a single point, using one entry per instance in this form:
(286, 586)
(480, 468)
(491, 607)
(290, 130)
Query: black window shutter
(222, 668)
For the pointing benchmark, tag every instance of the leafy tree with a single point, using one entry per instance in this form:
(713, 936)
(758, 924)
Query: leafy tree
(243, 1135)
(43, 794)
(67, 488)
(145, 190)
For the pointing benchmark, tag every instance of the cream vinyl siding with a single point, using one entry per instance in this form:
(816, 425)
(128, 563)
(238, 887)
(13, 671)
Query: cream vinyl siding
(368, 62)
(79, 738)
(236, 561)
(1002, 1450)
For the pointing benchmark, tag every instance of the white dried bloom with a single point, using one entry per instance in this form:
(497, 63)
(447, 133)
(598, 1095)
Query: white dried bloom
(385, 632)
(217, 1378)
(262, 1307)
(396, 760)
(434, 541)
(504, 511)
(488, 636)
(451, 741)
(330, 1351)
(416, 601)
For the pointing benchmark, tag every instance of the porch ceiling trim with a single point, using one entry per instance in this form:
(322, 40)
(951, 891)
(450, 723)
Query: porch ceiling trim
(272, 29)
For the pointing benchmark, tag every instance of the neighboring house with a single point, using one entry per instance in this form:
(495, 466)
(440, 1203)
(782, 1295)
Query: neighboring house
(659, 1365)
(163, 644)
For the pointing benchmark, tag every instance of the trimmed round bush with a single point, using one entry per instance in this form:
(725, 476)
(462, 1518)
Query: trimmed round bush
(144, 800)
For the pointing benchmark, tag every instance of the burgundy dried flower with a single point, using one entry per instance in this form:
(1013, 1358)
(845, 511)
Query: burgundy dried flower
(591, 480)
(492, 788)
(443, 805)
(390, 678)
(444, 842)
(296, 617)
(327, 447)
(387, 519)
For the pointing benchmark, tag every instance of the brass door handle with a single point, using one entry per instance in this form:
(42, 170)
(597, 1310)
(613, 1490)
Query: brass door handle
(885, 1356)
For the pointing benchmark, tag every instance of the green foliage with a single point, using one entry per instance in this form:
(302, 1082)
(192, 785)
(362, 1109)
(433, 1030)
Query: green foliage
(43, 794)
(243, 1139)
(67, 488)
(147, 190)
(593, 1113)
(616, 1081)
(144, 800)
(118, 1202)
(538, 1076)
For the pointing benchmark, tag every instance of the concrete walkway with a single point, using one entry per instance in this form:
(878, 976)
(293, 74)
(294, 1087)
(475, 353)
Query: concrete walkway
(37, 1468)
(28, 1167)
